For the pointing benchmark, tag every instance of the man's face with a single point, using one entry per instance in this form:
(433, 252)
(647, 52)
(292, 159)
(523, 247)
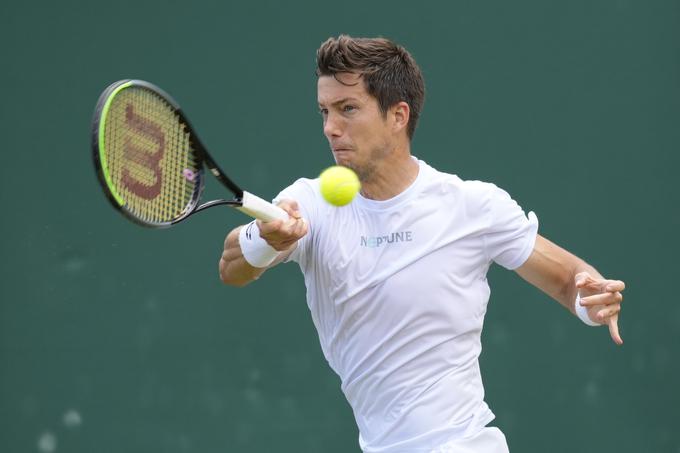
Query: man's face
(358, 133)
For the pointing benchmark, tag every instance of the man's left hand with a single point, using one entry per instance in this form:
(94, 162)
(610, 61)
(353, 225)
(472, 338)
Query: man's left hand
(602, 298)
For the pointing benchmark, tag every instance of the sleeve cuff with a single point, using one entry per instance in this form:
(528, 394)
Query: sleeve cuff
(532, 232)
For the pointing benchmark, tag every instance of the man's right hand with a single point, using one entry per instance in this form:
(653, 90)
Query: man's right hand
(284, 234)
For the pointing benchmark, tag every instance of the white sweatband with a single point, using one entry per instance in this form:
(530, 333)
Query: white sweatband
(255, 250)
(582, 312)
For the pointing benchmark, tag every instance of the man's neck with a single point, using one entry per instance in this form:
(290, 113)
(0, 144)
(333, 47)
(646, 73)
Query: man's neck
(394, 175)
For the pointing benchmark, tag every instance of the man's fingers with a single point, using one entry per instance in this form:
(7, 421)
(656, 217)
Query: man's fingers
(607, 312)
(602, 299)
(294, 227)
(614, 285)
(298, 230)
(291, 207)
(613, 324)
(582, 278)
(301, 228)
(282, 234)
(269, 227)
(278, 226)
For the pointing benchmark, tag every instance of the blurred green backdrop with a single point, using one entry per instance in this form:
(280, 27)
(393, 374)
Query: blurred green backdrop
(117, 339)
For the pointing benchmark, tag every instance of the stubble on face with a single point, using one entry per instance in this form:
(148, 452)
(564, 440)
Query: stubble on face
(367, 169)
(365, 137)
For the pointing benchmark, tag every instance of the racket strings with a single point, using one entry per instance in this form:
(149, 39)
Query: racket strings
(149, 155)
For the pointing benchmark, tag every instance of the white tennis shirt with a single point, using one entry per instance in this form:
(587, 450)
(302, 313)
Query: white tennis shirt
(397, 291)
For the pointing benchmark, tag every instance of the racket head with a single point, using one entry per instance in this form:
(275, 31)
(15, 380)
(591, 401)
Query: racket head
(147, 158)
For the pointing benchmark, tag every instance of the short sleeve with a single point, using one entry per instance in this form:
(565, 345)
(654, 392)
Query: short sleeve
(511, 234)
(303, 191)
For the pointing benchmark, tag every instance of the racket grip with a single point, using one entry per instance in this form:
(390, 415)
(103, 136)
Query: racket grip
(256, 207)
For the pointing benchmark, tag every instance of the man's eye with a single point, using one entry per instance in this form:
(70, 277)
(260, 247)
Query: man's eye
(349, 108)
(323, 112)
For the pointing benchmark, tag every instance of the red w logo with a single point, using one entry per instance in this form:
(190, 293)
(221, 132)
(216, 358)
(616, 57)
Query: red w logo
(153, 132)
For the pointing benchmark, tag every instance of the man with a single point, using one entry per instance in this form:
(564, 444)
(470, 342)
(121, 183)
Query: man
(396, 280)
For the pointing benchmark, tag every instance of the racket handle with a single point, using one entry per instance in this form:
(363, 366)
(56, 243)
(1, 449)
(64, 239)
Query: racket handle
(256, 207)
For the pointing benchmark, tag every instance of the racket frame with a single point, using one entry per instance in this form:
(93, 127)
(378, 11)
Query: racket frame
(246, 202)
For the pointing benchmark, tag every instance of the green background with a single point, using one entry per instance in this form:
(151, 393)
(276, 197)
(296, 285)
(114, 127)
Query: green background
(117, 339)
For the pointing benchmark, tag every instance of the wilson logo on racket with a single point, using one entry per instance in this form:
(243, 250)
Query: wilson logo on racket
(132, 151)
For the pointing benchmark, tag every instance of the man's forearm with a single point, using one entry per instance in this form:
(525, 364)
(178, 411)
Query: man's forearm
(553, 270)
(266, 245)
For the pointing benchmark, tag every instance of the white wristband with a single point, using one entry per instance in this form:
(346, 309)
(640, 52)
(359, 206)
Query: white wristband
(255, 250)
(582, 312)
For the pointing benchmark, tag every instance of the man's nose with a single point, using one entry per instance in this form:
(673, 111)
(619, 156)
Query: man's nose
(332, 126)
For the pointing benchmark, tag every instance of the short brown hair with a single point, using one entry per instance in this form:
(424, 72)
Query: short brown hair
(390, 73)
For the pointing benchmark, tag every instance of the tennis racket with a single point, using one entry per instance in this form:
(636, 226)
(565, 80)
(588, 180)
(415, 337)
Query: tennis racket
(151, 163)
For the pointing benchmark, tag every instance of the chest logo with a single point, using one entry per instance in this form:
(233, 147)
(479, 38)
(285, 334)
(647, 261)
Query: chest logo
(379, 241)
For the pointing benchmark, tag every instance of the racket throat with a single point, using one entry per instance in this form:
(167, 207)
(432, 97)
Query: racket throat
(233, 203)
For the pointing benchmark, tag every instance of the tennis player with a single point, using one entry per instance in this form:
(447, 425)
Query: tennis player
(396, 280)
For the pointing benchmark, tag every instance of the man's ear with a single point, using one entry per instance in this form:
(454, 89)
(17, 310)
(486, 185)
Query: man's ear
(401, 113)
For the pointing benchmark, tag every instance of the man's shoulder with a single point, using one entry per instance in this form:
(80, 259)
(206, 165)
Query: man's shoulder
(305, 183)
(302, 188)
(475, 197)
(468, 187)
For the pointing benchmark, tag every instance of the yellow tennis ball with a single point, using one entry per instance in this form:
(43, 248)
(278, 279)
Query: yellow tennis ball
(339, 185)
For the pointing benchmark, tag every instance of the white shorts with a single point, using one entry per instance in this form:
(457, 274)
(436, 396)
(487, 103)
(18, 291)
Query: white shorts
(488, 440)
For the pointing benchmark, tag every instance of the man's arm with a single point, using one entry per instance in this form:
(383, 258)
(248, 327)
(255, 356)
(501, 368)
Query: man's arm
(563, 275)
(281, 235)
